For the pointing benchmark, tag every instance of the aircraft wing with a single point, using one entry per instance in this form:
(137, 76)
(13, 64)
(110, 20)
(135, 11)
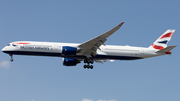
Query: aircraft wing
(90, 47)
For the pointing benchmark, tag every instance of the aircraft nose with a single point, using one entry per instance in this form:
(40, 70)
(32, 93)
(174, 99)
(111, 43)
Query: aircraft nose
(4, 49)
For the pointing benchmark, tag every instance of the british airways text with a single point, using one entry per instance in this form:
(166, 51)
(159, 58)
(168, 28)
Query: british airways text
(36, 47)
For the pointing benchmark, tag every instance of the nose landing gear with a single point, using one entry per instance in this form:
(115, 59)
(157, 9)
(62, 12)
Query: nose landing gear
(11, 57)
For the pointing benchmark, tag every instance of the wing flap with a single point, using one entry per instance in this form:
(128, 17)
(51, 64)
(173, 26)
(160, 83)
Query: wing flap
(101, 61)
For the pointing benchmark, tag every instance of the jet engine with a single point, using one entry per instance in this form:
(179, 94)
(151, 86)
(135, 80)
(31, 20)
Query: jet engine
(67, 50)
(70, 62)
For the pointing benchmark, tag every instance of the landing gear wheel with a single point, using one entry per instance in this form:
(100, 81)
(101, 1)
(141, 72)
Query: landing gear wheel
(88, 61)
(85, 61)
(85, 66)
(11, 60)
(91, 66)
(92, 62)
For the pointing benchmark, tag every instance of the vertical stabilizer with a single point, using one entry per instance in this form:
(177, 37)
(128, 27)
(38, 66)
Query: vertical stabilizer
(163, 40)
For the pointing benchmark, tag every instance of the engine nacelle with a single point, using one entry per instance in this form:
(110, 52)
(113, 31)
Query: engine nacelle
(67, 50)
(70, 62)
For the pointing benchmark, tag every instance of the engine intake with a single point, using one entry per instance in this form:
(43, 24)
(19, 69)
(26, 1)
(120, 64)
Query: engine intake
(67, 50)
(70, 62)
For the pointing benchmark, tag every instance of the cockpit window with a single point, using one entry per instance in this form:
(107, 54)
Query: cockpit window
(9, 45)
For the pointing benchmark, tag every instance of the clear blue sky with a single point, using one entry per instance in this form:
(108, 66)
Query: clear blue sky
(31, 78)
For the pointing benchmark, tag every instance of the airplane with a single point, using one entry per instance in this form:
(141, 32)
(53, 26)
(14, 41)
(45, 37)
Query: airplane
(91, 51)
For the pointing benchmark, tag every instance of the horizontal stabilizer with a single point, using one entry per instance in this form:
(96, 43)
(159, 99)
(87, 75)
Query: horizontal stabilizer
(166, 49)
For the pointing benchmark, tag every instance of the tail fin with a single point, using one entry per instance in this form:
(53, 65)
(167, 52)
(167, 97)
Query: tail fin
(163, 40)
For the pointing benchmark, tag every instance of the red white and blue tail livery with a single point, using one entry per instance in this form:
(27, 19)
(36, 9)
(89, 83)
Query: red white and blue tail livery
(91, 51)
(163, 40)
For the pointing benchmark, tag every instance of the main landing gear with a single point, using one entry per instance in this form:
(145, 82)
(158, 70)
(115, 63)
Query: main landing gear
(11, 57)
(88, 61)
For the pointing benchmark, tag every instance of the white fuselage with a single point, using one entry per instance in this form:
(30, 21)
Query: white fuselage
(55, 49)
(92, 50)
